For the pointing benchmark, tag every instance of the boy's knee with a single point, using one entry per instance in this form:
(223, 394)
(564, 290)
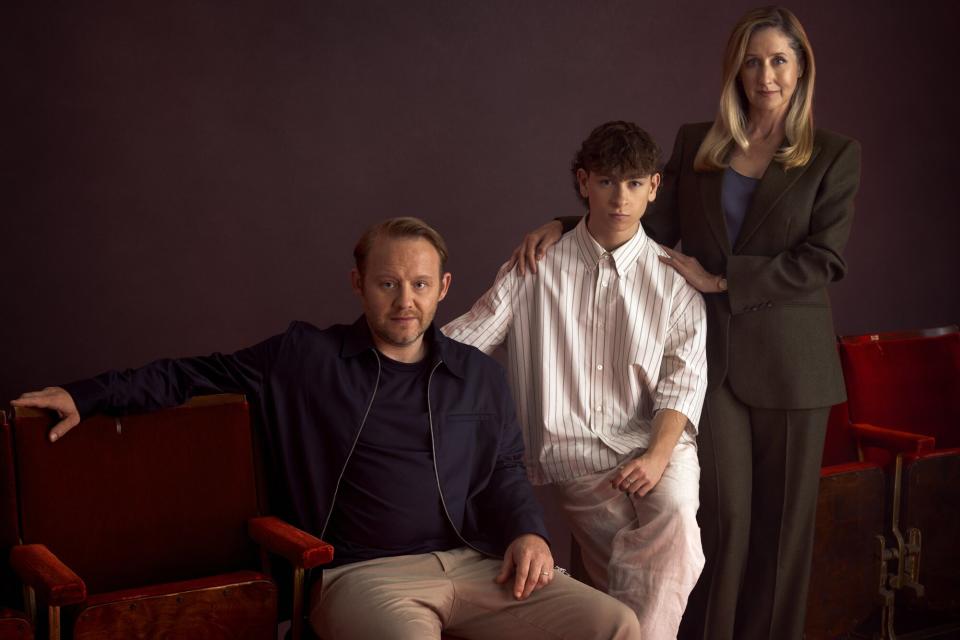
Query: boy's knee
(689, 550)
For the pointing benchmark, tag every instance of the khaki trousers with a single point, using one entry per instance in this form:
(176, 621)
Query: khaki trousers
(415, 597)
(645, 551)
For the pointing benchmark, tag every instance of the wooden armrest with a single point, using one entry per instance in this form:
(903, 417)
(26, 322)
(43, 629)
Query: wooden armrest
(892, 440)
(53, 581)
(299, 547)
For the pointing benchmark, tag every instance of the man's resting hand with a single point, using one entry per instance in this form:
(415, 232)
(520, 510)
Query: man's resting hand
(529, 558)
(54, 399)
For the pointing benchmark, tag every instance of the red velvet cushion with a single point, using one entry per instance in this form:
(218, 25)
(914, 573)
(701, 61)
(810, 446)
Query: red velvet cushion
(298, 547)
(162, 497)
(846, 467)
(230, 606)
(929, 455)
(39, 569)
(839, 445)
(910, 384)
(14, 625)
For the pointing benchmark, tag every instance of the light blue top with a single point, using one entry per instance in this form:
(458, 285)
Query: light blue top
(735, 196)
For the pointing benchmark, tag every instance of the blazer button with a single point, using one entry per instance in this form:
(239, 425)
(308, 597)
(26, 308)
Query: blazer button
(769, 304)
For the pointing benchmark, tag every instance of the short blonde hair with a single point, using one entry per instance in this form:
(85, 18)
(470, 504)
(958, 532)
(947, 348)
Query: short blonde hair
(729, 128)
(403, 227)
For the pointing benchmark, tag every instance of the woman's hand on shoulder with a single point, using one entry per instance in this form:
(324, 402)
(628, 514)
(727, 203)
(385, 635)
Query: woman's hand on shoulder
(693, 272)
(534, 246)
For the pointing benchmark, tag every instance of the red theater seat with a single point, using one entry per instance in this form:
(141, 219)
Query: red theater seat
(852, 537)
(910, 381)
(14, 625)
(141, 526)
(849, 531)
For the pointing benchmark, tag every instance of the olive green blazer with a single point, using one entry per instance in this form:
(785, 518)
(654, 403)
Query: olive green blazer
(771, 334)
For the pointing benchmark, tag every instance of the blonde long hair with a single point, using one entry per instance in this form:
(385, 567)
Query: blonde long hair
(730, 126)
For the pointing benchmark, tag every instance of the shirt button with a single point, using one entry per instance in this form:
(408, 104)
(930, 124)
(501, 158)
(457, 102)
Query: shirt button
(599, 407)
(603, 284)
(599, 367)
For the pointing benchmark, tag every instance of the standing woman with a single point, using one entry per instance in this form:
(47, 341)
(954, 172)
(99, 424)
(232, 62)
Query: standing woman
(762, 203)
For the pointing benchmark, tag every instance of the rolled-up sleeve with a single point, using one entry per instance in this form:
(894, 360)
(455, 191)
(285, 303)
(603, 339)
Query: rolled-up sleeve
(488, 322)
(682, 384)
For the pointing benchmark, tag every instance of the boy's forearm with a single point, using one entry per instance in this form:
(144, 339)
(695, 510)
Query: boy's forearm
(667, 427)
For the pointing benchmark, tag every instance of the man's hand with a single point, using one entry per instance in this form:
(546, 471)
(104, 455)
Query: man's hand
(529, 557)
(54, 399)
(534, 245)
(640, 475)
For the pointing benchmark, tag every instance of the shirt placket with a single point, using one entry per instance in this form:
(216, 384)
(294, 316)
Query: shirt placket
(598, 366)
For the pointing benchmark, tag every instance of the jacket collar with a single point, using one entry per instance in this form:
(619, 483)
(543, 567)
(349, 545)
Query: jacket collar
(357, 340)
(710, 190)
(774, 183)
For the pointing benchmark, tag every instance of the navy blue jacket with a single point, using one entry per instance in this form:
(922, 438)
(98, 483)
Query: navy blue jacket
(312, 389)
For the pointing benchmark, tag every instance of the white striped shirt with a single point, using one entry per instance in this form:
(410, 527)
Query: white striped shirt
(598, 342)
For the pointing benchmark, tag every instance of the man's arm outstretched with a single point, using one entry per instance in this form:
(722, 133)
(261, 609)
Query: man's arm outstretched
(160, 384)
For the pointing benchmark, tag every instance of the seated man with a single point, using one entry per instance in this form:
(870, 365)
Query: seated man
(400, 447)
(607, 360)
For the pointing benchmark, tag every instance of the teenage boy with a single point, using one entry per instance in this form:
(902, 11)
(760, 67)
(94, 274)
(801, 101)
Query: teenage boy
(606, 348)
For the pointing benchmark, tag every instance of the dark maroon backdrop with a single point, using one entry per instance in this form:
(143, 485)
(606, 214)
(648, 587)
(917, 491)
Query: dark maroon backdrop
(189, 176)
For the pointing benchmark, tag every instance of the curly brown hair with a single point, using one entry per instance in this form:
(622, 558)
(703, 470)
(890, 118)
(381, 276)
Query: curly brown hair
(617, 149)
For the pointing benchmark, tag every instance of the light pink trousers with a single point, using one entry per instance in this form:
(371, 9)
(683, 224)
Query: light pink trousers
(415, 597)
(645, 551)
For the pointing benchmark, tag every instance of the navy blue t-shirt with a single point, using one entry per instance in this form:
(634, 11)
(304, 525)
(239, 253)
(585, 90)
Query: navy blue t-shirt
(389, 502)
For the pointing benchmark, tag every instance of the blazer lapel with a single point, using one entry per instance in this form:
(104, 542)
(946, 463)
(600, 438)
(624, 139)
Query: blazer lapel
(775, 182)
(711, 183)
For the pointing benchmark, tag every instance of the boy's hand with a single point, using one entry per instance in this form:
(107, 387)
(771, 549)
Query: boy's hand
(640, 475)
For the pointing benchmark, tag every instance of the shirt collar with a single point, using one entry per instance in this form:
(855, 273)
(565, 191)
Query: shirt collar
(623, 256)
(358, 340)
